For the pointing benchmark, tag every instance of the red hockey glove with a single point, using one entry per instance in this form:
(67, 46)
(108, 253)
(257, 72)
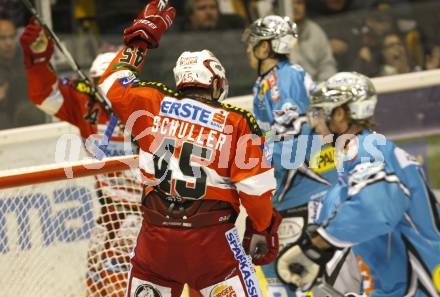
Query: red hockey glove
(151, 23)
(37, 46)
(262, 246)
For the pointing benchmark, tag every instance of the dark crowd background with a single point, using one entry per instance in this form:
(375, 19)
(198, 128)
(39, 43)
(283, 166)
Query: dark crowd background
(374, 37)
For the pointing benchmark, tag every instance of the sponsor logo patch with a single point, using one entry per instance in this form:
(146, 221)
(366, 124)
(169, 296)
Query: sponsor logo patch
(231, 287)
(194, 112)
(188, 61)
(290, 230)
(128, 80)
(364, 171)
(436, 278)
(82, 87)
(147, 291)
(141, 288)
(65, 82)
(315, 206)
(245, 263)
(323, 161)
(275, 95)
(277, 290)
(367, 277)
(223, 291)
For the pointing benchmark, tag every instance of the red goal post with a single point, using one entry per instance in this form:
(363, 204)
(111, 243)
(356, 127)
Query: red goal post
(60, 171)
(50, 242)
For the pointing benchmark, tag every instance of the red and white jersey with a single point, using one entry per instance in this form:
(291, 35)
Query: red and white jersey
(72, 101)
(189, 148)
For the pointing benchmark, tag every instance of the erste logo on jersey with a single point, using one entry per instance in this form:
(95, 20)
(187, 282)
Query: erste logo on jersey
(194, 112)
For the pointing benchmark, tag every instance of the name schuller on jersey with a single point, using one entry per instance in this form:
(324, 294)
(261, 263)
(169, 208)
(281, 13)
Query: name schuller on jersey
(179, 118)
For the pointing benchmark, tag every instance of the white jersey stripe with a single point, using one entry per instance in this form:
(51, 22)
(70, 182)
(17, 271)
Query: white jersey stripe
(258, 184)
(333, 240)
(109, 81)
(52, 104)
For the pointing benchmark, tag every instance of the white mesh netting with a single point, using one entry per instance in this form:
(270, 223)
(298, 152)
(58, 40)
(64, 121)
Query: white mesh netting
(71, 237)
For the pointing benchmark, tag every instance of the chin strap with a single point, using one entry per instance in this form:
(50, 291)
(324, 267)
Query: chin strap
(327, 122)
(260, 62)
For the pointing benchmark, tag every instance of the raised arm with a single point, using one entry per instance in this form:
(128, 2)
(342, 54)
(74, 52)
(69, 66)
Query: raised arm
(45, 90)
(118, 81)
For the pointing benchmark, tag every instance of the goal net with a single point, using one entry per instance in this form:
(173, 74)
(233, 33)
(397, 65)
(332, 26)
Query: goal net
(68, 230)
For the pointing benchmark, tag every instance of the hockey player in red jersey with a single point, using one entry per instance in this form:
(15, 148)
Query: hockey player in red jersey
(113, 237)
(199, 160)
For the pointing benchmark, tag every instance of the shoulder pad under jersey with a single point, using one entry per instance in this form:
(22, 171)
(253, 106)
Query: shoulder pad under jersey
(247, 114)
(158, 86)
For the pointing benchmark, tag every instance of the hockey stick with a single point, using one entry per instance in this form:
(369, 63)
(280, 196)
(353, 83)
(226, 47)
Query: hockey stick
(101, 151)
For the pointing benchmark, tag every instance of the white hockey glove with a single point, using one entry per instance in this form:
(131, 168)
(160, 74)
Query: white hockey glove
(300, 264)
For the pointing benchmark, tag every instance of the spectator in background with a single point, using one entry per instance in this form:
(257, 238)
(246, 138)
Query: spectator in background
(5, 105)
(85, 43)
(355, 38)
(382, 21)
(12, 10)
(8, 42)
(15, 110)
(328, 7)
(313, 50)
(204, 15)
(341, 29)
(432, 58)
(376, 25)
(234, 7)
(336, 6)
(406, 26)
(394, 59)
(260, 8)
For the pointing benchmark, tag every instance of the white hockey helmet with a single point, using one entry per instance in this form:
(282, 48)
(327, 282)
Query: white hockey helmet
(351, 88)
(200, 69)
(101, 63)
(281, 31)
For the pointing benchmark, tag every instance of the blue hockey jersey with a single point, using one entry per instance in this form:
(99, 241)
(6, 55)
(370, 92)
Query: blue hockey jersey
(304, 169)
(385, 210)
(280, 105)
